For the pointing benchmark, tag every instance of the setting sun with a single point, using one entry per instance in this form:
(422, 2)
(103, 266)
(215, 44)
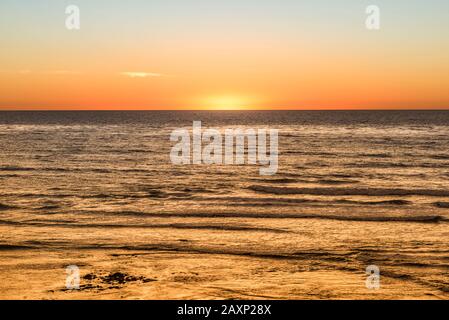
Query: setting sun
(226, 102)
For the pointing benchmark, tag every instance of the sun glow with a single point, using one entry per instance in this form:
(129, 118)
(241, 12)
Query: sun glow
(226, 103)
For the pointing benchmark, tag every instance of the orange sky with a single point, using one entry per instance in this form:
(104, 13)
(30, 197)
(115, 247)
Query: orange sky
(236, 55)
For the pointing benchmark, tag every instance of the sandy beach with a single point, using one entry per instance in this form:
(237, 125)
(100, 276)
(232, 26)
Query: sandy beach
(172, 275)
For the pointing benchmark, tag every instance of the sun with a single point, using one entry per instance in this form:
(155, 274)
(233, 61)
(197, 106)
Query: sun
(226, 102)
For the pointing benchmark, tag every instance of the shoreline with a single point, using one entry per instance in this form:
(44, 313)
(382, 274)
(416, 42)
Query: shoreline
(159, 275)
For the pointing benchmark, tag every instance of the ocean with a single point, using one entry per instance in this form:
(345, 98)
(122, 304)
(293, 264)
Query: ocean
(98, 190)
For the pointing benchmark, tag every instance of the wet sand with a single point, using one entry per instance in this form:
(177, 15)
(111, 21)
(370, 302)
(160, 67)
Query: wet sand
(29, 274)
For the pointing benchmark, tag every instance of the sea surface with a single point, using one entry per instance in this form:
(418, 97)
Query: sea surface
(98, 190)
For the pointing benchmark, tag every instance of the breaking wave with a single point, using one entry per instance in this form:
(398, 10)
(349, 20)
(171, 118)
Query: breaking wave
(349, 191)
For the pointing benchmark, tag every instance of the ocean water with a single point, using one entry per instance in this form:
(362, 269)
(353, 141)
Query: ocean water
(353, 189)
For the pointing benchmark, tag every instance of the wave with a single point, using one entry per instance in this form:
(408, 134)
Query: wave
(349, 191)
(440, 157)
(375, 155)
(15, 168)
(395, 202)
(278, 180)
(441, 204)
(6, 207)
(49, 207)
(396, 165)
(316, 181)
(4, 247)
(69, 224)
(293, 201)
(75, 169)
(186, 246)
(248, 215)
(334, 182)
(344, 175)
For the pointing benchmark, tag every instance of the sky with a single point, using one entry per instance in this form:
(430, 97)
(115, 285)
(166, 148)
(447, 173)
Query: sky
(228, 54)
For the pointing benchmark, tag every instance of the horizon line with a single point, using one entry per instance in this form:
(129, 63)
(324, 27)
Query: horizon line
(361, 107)
(223, 110)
